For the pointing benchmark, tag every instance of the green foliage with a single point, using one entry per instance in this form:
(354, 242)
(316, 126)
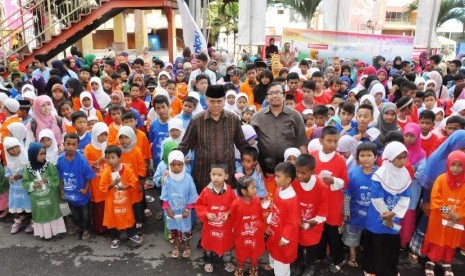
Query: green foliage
(450, 9)
(222, 15)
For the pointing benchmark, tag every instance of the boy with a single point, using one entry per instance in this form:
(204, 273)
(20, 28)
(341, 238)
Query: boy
(357, 198)
(404, 111)
(419, 98)
(309, 120)
(453, 123)
(313, 199)
(334, 86)
(75, 174)
(79, 119)
(346, 114)
(428, 139)
(319, 96)
(289, 101)
(23, 112)
(116, 114)
(307, 103)
(117, 182)
(249, 84)
(16, 80)
(201, 85)
(320, 113)
(430, 100)
(133, 158)
(283, 221)
(337, 99)
(303, 66)
(159, 127)
(188, 106)
(176, 104)
(136, 102)
(331, 167)
(84, 77)
(293, 81)
(363, 119)
(212, 208)
(249, 157)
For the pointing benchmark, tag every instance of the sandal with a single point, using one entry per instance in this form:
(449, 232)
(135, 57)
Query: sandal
(429, 269)
(208, 268)
(85, 235)
(253, 271)
(114, 244)
(149, 198)
(186, 253)
(175, 253)
(229, 267)
(447, 268)
(239, 272)
(147, 213)
(352, 263)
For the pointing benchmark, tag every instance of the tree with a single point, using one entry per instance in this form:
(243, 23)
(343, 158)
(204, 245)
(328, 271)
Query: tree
(306, 8)
(222, 16)
(449, 9)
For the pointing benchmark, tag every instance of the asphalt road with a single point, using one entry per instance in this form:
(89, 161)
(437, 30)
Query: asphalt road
(24, 254)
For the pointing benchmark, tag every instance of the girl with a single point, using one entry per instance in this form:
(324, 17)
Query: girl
(390, 198)
(65, 110)
(75, 89)
(181, 85)
(103, 99)
(49, 142)
(95, 154)
(347, 147)
(387, 122)
(242, 101)
(44, 119)
(18, 131)
(248, 226)
(95, 70)
(291, 154)
(87, 106)
(259, 91)
(179, 195)
(443, 234)
(42, 183)
(379, 92)
(19, 200)
(370, 99)
(58, 95)
(3, 193)
(230, 104)
(108, 85)
(429, 84)
(382, 76)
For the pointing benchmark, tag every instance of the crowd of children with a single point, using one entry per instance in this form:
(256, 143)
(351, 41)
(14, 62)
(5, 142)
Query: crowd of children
(383, 172)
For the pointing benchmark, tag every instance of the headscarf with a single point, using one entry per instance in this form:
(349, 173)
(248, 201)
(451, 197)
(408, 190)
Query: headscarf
(377, 88)
(259, 91)
(240, 95)
(52, 151)
(458, 106)
(436, 162)
(347, 143)
(419, 80)
(291, 152)
(415, 151)
(372, 101)
(384, 127)
(434, 75)
(120, 95)
(394, 65)
(142, 87)
(97, 130)
(335, 119)
(369, 70)
(176, 123)
(127, 131)
(45, 121)
(393, 180)
(175, 66)
(89, 111)
(102, 98)
(384, 82)
(227, 106)
(249, 132)
(423, 59)
(316, 133)
(455, 181)
(27, 86)
(196, 95)
(162, 73)
(18, 130)
(33, 153)
(349, 84)
(168, 147)
(89, 60)
(14, 163)
(428, 82)
(59, 65)
(176, 155)
(314, 145)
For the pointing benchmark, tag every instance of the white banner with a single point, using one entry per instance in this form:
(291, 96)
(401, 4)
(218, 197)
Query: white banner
(427, 17)
(193, 37)
(252, 17)
(335, 15)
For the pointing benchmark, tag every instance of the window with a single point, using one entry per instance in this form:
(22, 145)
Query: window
(397, 17)
(280, 11)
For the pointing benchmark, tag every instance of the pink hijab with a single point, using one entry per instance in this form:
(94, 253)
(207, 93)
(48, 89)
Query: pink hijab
(415, 152)
(384, 82)
(45, 121)
(369, 70)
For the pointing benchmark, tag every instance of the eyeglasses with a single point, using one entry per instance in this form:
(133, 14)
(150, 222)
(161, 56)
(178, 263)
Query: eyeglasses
(274, 93)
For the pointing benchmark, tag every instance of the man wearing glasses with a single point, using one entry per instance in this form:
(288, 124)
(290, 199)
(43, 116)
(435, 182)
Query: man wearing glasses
(278, 128)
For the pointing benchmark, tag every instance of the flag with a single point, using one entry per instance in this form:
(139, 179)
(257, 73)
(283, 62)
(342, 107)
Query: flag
(193, 37)
(252, 18)
(425, 30)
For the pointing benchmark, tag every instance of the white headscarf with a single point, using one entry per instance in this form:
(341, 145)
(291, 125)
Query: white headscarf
(176, 123)
(227, 106)
(378, 88)
(98, 129)
(51, 153)
(29, 87)
(348, 143)
(240, 95)
(429, 82)
(376, 112)
(89, 111)
(127, 131)
(458, 106)
(291, 152)
(103, 98)
(419, 80)
(30, 95)
(162, 73)
(18, 130)
(314, 145)
(249, 132)
(14, 163)
(176, 155)
(393, 180)
(199, 107)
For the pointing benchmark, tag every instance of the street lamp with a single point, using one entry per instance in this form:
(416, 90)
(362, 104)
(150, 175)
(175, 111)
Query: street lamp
(371, 26)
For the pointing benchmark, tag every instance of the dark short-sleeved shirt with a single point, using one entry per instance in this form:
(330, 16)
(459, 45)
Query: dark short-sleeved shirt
(278, 133)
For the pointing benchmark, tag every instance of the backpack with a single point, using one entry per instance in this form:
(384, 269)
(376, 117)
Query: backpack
(34, 124)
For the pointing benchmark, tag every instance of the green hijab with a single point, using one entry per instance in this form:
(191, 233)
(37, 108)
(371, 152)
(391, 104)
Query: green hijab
(168, 147)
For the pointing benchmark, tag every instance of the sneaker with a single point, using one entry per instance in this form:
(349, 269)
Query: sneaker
(149, 198)
(114, 244)
(29, 228)
(15, 227)
(136, 238)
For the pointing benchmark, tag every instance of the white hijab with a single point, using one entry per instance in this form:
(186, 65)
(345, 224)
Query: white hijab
(393, 180)
(227, 106)
(127, 131)
(199, 107)
(176, 155)
(98, 129)
(176, 123)
(89, 111)
(348, 143)
(15, 163)
(51, 153)
(376, 112)
(291, 152)
(18, 130)
(103, 98)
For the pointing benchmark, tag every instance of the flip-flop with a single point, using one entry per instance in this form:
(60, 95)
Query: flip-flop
(175, 253)
(186, 253)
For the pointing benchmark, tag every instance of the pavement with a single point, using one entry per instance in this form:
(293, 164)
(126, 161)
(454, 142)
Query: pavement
(24, 254)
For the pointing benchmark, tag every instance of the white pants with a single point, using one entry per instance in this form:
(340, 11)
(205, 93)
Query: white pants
(280, 269)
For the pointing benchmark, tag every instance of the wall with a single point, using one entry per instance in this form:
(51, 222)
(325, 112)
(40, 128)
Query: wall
(104, 38)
